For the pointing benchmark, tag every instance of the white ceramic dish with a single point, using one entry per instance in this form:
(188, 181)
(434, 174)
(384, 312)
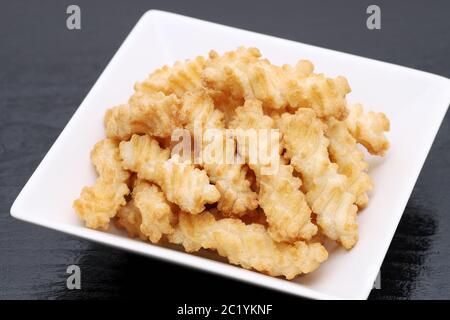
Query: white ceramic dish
(414, 101)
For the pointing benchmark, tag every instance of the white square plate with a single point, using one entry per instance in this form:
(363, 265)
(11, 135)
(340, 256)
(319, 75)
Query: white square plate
(414, 101)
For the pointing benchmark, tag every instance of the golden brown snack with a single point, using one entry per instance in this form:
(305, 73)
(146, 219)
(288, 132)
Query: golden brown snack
(225, 103)
(327, 195)
(182, 183)
(288, 214)
(99, 203)
(151, 113)
(196, 110)
(302, 69)
(344, 152)
(247, 245)
(243, 75)
(157, 216)
(236, 196)
(141, 150)
(148, 215)
(368, 129)
(129, 218)
(182, 77)
(266, 206)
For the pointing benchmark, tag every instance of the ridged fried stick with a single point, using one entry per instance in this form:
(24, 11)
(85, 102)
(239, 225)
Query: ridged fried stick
(288, 214)
(249, 246)
(327, 194)
(99, 203)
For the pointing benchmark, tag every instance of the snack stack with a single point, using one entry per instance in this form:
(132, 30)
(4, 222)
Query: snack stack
(271, 216)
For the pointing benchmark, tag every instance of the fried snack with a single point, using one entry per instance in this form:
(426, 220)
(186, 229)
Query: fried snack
(225, 103)
(247, 245)
(182, 183)
(302, 69)
(288, 214)
(99, 203)
(129, 218)
(182, 77)
(147, 215)
(344, 152)
(327, 195)
(197, 108)
(241, 74)
(150, 113)
(141, 150)
(157, 115)
(157, 216)
(368, 129)
(236, 196)
(199, 144)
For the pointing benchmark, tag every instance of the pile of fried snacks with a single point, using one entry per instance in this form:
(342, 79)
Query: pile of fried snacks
(268, 213)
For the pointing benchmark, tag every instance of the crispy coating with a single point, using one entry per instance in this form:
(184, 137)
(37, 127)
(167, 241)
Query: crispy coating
(243, 75)
(247, 245)
(99, 203)
(225, 103)
(368, 129)
(148, 215)
(197, 108)
(236, 196)
(344, 152)
(302, 69)
(181, 182)
(285, 206)
(182, 77)
(141, 150)
(129, 218)
(327, 195)
(150, 113)
(157, 215)
(288, 214)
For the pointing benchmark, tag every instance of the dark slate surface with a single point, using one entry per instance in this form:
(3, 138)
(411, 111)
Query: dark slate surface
(46, 70)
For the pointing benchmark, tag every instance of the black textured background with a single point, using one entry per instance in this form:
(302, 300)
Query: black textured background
(46, 70)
